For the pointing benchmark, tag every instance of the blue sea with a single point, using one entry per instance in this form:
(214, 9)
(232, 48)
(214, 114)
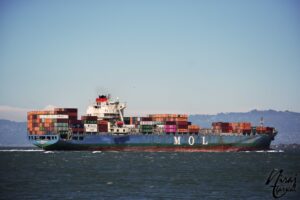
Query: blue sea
(38, 174)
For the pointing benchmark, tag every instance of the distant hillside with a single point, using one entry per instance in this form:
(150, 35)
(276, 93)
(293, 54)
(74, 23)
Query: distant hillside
(287, 123)
(13, 133)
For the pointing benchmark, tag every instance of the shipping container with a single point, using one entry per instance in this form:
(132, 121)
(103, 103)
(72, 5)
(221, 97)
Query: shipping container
(90, 128)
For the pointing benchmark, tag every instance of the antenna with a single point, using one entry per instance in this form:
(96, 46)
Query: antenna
(261, 121)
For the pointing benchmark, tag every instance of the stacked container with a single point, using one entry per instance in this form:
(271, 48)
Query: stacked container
(103, 126)
(77, 127)
(193, 129)
(146, 128)
(261, 129)
(168, 117)
(170, 127)
(90, 124)
(182, 126)
(131, 120)
(51, 122)
(232, 127)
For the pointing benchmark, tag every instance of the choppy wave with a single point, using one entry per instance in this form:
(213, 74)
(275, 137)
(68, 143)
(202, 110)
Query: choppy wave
(97, 152)
(266, 151)
(20, 150)
(49, 152)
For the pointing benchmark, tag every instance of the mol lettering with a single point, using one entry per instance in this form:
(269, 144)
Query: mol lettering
(177, 140)
(191, 140)
(204, 142)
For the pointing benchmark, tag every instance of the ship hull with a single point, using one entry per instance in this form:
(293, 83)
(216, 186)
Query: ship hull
(159, 143)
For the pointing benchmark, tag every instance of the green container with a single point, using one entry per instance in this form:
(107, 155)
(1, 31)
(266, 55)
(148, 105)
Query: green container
(146, 128)
(89, 122)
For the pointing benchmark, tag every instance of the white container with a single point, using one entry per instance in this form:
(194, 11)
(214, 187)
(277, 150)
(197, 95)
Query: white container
(129, 126)
(54, 116)
(90, 128)
(146, 123)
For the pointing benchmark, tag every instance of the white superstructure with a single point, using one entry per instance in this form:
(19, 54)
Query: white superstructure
(107, 109)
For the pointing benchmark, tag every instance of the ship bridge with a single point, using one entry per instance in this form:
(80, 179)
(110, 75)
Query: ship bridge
(106, 109)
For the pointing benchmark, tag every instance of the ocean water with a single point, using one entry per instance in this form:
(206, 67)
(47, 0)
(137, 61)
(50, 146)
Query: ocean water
(37, 174)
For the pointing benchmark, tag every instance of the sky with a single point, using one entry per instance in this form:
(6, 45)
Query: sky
(167, 56)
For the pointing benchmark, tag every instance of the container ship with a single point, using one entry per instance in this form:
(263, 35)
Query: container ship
(105, 128)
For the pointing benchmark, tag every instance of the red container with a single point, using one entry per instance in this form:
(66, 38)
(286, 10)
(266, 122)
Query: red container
(102, 122)
(103, 127)
(182, 130)
(77, 130)
(182, 126)
(146, 119)
(182, 123)
(89, 118)
(59, 112)
(170, 122)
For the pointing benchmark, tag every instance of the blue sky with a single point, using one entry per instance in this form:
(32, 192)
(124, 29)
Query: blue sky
(158, 56)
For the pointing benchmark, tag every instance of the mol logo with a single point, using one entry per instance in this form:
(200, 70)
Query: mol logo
(191, 140)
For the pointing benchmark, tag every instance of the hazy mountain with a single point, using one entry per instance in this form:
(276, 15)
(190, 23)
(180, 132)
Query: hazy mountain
(13, 133)
(287, 123)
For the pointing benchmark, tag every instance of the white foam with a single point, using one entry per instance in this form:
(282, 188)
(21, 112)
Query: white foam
(48, 152)
(21, 150)
(264, 151)
(97, 152)
(275, 151)
(270, 151)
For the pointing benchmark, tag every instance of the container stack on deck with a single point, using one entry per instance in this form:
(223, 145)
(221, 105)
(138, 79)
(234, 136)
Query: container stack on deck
(90, 124)
(231, 127)
(52, 121)
(262, 129)
(170, 127)
(193, 128)
(239, 128)
(103, 126)
(162, 123)
(62, 120)
(168, 117)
